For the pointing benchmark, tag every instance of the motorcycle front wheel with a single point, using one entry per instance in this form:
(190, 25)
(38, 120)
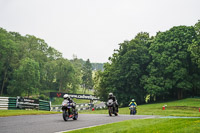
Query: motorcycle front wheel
(131, 112)
(110, 111)
(115, 111)
(65, 115)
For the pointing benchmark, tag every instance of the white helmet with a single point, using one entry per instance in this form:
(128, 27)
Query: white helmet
(66, 96)
(110, 94)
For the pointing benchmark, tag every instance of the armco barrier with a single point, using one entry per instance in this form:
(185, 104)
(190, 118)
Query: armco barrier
(9, 103)
(79, 107)
(12, 103)
(83, 106)
(44, 105)
(4, 103)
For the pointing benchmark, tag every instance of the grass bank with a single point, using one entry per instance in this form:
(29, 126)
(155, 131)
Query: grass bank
(4, 113)
(58, 101)
(186, 107)
(147, 126)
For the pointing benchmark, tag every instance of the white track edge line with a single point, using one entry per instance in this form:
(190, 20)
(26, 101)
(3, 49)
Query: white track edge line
(96, 125)
(82, 128)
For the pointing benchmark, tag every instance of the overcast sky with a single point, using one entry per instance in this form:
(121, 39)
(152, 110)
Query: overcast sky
(92, 29)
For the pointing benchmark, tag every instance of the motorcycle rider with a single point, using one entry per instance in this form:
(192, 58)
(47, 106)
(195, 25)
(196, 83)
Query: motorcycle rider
(67, 97)
(133, 103)
(111, 96)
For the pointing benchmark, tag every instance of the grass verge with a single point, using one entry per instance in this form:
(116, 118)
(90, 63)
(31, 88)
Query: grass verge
(58, 101)
(4, 113)
(186, 107)
(147, 126)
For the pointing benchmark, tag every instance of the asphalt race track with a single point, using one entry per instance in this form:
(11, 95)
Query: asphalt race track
(54, 122)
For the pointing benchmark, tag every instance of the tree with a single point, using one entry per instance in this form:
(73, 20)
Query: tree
(97, 81)
(97, 66)
(77, 67)
(26, 78)
(123, 75)
(194, 48)
(87, 82)
(65, 74)
(53, 54)
(7, 58)
(49, 76)
(55, 72)
(171, 69)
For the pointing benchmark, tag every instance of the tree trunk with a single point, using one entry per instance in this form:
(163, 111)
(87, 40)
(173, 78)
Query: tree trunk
(193, 92)
(84, 89)
(180, 93)
(28, 92)
(60, 86)
(4, 81)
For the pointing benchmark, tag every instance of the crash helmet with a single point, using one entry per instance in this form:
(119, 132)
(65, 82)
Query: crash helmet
(66, 96)
(133, 100)
(110, 94)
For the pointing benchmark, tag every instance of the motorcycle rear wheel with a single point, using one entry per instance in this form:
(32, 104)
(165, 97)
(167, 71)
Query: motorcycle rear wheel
(75, 116)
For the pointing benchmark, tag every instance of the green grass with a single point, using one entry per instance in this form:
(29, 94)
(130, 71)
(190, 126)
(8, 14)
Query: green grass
(80, 91)
(4, 113)
(186, 107)
(58, 101)
(147, 126)
(81, 100)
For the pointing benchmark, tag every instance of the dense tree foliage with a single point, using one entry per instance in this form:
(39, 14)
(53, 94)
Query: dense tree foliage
(158, 68)
(28, 66)
(171, 71)
(123, 75)
(25, 78)
(162, 67)
(8, 50)
(87, 82)
(194, 48)
(97, 66)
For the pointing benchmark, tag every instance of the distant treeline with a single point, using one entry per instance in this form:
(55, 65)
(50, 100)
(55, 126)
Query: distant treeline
(97, 66)
(28, 66)
(161, 67)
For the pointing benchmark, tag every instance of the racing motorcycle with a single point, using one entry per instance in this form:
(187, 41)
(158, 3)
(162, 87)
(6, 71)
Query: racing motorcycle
(69, 111)
(111, 108)
(132, 110)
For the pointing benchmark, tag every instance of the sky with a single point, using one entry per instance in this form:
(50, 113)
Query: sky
(92, 29)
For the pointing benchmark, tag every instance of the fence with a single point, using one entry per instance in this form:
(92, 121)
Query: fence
(8, 103)
(12, 103)
(44, 105)
(83, 106)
